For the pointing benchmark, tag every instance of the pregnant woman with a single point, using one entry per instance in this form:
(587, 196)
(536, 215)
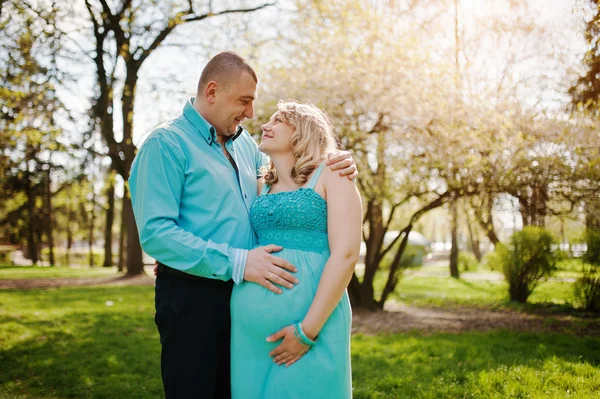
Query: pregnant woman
(315, 215)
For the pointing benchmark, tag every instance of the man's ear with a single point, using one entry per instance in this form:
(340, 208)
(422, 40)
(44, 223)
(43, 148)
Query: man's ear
(210, 91)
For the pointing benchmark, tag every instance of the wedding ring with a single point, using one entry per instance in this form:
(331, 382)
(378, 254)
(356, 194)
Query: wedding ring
(270, 275)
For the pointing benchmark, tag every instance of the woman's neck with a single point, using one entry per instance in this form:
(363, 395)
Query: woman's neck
(284, 164)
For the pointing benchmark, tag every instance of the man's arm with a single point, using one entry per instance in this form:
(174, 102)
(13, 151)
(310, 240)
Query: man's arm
(156, 183)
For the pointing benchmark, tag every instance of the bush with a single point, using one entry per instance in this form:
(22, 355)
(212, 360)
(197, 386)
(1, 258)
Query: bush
(491, 260)
(412, 257)
(592, 239)
(467, 261)
(526, 260)
(587, 288)
(6, 252)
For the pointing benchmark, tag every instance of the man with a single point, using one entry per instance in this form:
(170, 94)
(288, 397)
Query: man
(192, 184)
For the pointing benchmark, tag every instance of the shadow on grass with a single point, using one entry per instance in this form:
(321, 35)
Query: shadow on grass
(82, 355)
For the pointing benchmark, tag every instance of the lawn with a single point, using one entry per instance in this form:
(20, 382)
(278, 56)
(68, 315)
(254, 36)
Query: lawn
(18, 272)
(445, 291)
(101, 342)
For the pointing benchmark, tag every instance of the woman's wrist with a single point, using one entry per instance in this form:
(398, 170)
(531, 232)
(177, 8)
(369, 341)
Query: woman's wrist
(310, 332)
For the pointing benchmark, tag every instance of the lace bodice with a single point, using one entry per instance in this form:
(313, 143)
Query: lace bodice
(293, 219)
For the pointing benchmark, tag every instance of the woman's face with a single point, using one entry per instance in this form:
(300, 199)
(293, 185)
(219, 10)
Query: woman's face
(276, 136)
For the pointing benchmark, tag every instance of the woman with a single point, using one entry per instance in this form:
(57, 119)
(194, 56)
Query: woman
(315, 215)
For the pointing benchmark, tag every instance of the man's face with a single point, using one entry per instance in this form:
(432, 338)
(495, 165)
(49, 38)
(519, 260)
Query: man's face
(234, 103)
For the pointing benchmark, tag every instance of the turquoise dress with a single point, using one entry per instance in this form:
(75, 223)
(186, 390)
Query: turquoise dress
(297, 221)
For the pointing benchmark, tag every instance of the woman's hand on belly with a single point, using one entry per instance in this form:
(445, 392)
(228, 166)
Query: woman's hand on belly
(290, 350)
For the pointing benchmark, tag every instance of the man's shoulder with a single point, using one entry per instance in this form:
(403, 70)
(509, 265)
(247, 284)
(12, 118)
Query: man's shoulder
(169, 131)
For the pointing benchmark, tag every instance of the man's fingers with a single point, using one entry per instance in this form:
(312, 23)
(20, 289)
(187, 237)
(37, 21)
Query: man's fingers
(345, 164)
(284, 264)
(339, 156)
(272, 248)
(348, 171)
(285, 277)
(271, 287)
(278, 280)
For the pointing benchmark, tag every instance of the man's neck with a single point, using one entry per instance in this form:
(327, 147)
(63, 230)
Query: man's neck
(202, 110)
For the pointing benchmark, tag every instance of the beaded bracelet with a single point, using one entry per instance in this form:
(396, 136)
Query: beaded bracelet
(301, 336)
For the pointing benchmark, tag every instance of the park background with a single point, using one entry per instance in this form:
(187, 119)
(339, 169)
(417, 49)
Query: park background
(474, 126)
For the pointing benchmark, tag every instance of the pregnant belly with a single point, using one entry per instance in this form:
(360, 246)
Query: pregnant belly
(258, 311)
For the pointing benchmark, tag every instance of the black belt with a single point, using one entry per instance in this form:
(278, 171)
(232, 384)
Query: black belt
(178, 273)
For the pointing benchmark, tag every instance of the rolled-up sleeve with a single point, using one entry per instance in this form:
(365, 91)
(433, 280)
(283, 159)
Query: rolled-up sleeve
(156, 184)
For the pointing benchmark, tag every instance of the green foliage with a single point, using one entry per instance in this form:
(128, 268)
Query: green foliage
(412, 257)
(592, 238)
(587, 288)
(526, 261)
(467, 261)
(492, 261)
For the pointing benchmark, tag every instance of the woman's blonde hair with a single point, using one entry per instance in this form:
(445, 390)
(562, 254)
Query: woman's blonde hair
(313, 139)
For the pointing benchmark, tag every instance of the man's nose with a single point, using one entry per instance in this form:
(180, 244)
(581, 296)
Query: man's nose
(249, 112)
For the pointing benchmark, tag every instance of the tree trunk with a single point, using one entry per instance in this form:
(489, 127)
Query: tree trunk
(135, 265)
(122, 235)
(394, 275)
(48, 217)
(373, 244)
(483, 213)
(454, 250)
(70, 218)
(91, 228)
(32, 250)
(110, 216)
(473, 239)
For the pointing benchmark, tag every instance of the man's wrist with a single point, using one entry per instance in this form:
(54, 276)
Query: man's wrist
(239, 264)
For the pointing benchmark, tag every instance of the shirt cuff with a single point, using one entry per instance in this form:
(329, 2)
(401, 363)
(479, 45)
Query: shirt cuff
(239, 264)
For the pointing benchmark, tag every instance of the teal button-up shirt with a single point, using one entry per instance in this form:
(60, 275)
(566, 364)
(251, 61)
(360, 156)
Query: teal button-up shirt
(190, 205)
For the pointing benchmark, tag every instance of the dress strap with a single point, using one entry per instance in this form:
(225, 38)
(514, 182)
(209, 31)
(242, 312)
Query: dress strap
(315, 177)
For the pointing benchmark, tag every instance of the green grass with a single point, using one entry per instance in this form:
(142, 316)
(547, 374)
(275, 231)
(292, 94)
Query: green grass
(21, 272)
(67, 343)
(445, 291)
(497, 364)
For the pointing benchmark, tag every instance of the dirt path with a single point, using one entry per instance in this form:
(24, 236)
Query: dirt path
(396, 318)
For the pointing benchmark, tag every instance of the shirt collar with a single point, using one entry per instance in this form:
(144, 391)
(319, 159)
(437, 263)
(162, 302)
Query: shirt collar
(206, 129)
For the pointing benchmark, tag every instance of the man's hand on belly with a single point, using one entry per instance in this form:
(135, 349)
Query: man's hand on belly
(267, 270)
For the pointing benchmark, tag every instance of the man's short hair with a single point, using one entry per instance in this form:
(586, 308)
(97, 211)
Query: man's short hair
(223, 68)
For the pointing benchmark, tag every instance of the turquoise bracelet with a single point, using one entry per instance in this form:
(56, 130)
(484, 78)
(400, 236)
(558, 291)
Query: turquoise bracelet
(301, 336)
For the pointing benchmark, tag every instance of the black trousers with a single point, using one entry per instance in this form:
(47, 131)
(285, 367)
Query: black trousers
(193, 320)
